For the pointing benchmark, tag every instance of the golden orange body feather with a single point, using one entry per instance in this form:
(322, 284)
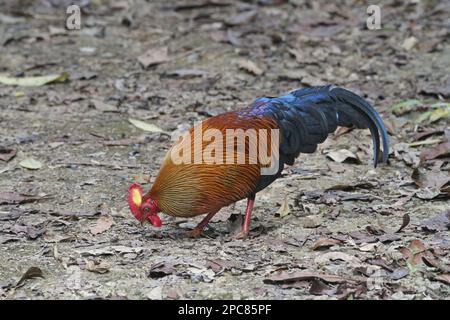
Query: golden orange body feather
(189, 189)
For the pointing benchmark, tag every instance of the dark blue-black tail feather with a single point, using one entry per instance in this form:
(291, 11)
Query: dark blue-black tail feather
(307, 116)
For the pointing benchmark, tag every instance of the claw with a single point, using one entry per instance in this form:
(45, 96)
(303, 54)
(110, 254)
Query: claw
(195, 233)
(241, 235)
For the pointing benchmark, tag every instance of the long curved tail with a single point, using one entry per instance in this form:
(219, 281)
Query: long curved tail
(307, 116)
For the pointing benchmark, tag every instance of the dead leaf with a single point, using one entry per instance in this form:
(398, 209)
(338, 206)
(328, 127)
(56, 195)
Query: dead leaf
(241, 18)
(250, 67)
(16, 198)
(103, 224)
(431, 183)
(154, 56)
(102, 106)
(100, 267)
(284, 276)
(34, 81)
(399, 273)
(186, 73)
(369, 247)
(320, 288)
(30, 163)
(343, 155)
(284, 209)
(406, 220)
(352, 187)
(161, 269)
(145, 126)
(440, 222)
(32, 272)
(155, 294)
(312, 221)
(218, 265)
(445, 278)
(7, 154)
(323, 243)
(442, 149)
(410, 43)
(333, 256)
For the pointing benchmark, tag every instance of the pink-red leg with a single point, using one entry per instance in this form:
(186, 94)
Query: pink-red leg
(198, 230)
(248, 214)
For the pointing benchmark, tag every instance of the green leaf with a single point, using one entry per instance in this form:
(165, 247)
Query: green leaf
(33, 81)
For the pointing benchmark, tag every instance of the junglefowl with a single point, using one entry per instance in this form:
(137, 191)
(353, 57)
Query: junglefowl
(304, 118)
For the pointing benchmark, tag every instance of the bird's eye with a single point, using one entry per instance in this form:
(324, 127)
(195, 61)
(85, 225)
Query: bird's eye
(146, 209)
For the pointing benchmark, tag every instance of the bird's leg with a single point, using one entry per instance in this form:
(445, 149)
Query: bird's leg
(198, 230)
(248, 213)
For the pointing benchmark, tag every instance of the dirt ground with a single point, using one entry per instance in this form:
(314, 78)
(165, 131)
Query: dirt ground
(328, 229)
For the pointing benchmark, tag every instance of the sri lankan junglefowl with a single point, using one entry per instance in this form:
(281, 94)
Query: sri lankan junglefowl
(202, 173)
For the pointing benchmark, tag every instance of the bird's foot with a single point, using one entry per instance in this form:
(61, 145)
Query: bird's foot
(241, 235)
(195, 233)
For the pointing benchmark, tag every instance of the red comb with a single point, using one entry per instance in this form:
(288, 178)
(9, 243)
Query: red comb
(135, 199)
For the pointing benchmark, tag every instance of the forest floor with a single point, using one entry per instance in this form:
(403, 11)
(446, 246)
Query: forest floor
(328, 229)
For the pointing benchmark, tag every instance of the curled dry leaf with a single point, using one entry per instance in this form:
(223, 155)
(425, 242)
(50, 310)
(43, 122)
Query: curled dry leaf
(445, 278)
(323, 243)
(406, 220)
(103, 224)
(335, 255)
(250, 67)
(343, 155)
(32, 272)
(145, 126)
(284, 209)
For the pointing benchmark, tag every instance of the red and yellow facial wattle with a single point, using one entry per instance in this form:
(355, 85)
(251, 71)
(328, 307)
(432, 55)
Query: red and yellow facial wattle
(143, 210)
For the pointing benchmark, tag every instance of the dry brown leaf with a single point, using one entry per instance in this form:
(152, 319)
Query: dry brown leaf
(440, 150)
(250, 67)
(445, 278)
(103, 224)
(431, 183)
(161, 269)
(32, 272)
(7, 154)
(284, 276)
(440, 222)
(154, 56)
(325, 243)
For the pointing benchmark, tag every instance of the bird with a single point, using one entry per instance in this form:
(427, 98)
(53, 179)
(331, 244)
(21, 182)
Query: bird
(201, 173)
